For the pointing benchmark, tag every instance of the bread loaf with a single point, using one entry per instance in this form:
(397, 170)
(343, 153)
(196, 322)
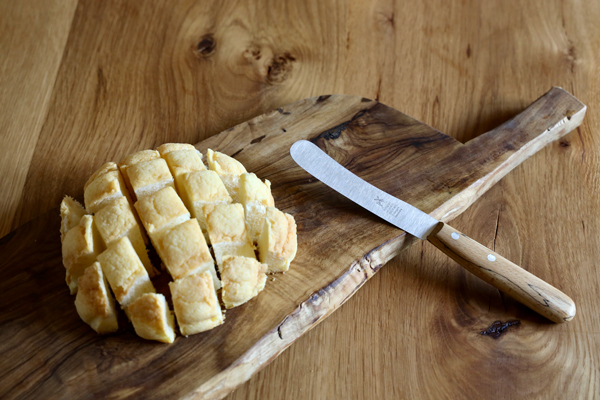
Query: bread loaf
(168, 197)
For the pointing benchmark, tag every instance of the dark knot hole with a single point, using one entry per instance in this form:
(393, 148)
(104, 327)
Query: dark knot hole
(207, 45)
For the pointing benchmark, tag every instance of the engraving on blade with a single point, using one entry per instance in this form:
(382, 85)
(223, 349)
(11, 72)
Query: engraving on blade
(389, 208)
(395, 211)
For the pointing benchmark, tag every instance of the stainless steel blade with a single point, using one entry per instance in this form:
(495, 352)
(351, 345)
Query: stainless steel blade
(395, 211)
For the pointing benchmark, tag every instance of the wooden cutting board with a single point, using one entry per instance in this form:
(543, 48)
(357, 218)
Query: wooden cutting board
(48, 352)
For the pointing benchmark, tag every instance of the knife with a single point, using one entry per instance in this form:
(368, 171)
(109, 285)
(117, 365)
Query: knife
(484, 263)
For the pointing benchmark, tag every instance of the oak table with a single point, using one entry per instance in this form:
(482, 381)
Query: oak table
(83, 82)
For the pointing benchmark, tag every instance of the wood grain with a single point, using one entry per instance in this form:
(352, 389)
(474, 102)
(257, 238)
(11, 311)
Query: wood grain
(340, 247)
(462, 67)
(32, 40)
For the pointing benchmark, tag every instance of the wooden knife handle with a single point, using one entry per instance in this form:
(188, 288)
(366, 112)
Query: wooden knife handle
(499, 272)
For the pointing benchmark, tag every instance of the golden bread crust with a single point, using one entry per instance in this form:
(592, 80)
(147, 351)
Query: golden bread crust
(225, 223)
(125, 272)
(183, 249)
(103, 190)
(195, 303)
(200, 189)
(152, 318)
(71, 212)
(229, 170)
(256, 196)
(227, 231)
(161, 210)
(243, 278)
(137, 157)
(116, 221)
(149, 176)
(108, 167)
(253, 190)
(222, 164)
(94, 302)
(183, 161)
(81, 246)
(167, 148)
(205, 187)
(277, 244)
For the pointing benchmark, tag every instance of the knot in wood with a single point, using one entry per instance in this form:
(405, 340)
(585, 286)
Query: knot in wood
(207, 45)
(279, 68)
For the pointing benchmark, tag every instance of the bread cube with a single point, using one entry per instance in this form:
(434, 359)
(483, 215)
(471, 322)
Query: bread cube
(125, 272)
(94, 302)
(183, 250)
(152, 319)
(149, 177)
(71, 212)
(227, 231)
(255, 196)
(229, 170)
(116, 221)
(132, 159)
(195, 303)
(243, 278)
(81, 246)
(200, 189)
(277, 243)
(103, 190)
(161, 210)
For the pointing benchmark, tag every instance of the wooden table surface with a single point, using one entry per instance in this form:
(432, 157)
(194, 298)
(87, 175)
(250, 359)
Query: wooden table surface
(83, 82)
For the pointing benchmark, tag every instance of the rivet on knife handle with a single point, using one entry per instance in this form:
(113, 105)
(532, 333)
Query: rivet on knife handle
(499, 272)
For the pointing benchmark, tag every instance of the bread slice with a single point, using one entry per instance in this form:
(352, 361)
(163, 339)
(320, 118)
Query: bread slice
(94, 302)
(80, 247)
(255, 196)
(183, 250)
(151, 318)
(103, 190)
(71, 212)
(149, 177)
(166, 148)
(161, 210)
(227, 231)
(195, 303)
(125, 272)
(200, 189)
(229, 170)
(116, 221)
(243, 278)
(277, 243)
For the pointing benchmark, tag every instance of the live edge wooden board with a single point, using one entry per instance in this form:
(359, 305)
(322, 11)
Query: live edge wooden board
(48, 352)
